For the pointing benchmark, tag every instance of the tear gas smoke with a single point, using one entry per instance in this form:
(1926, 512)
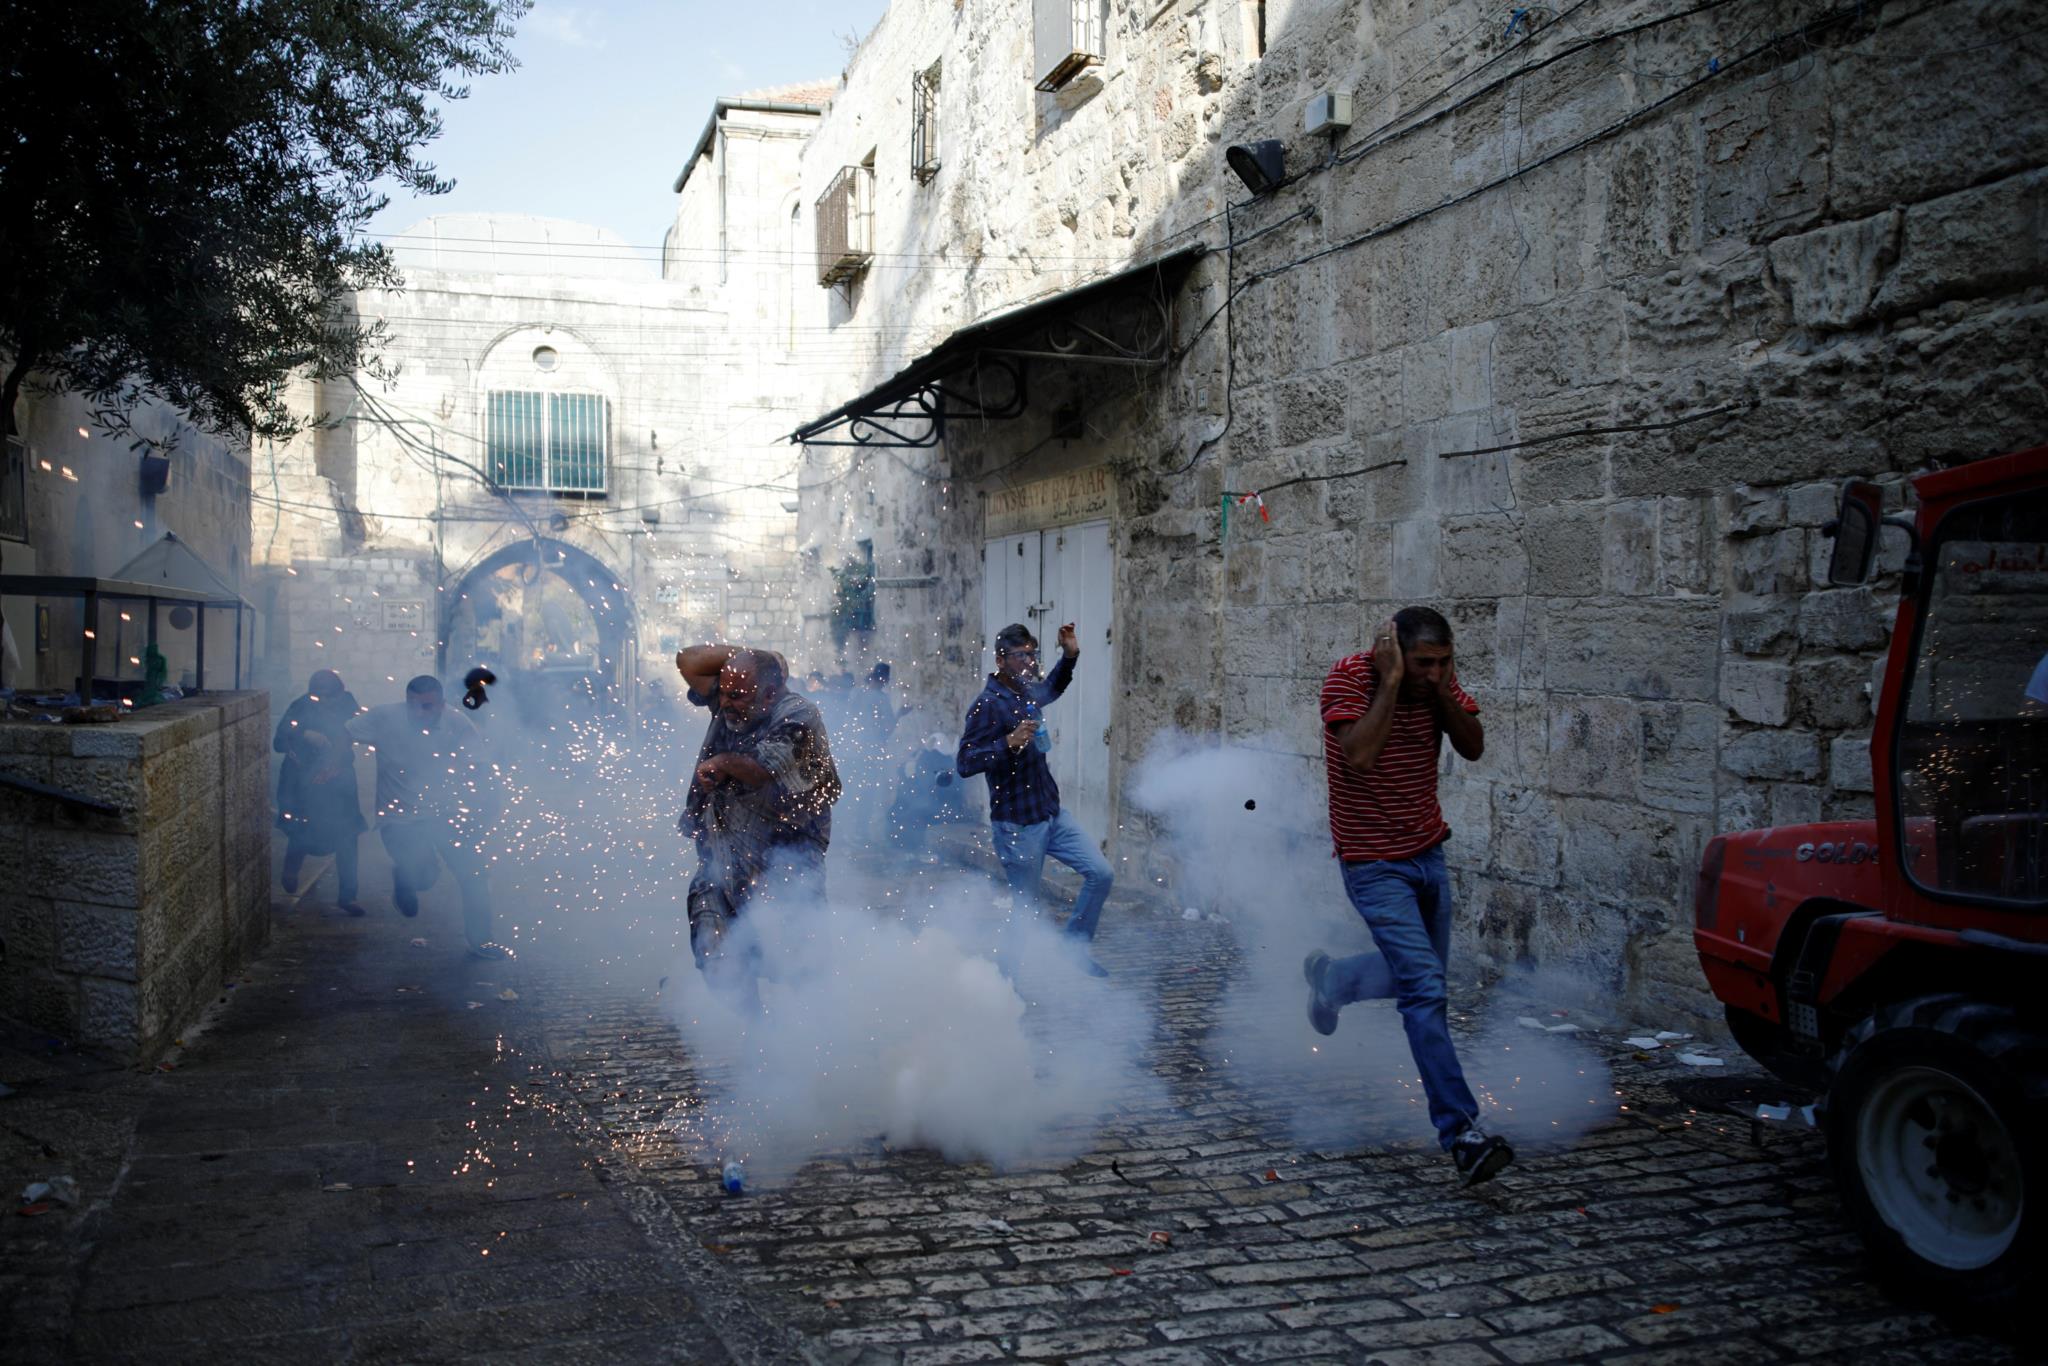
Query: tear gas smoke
(885, 1015)
(1248, 830)
(903, 1031)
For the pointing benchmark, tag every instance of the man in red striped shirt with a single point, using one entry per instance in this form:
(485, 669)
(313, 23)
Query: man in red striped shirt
(1386, 714)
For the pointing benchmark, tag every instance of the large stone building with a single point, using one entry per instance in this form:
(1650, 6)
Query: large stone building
(1571, 332)
(539, 477)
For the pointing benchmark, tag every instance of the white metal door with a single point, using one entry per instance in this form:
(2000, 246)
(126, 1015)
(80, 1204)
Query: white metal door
(1009, 589)
(1076, 585)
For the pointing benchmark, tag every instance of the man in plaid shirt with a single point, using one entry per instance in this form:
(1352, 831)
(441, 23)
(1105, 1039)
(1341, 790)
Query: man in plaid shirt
(1004, 742)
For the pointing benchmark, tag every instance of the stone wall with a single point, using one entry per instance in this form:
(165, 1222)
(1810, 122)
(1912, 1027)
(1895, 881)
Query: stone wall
(1604, 305)
(119, 928)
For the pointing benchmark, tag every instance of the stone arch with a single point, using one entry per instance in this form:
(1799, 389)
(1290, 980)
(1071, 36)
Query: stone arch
(551, 620)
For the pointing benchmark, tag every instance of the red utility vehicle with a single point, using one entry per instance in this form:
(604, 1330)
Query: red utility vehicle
(1900, 964)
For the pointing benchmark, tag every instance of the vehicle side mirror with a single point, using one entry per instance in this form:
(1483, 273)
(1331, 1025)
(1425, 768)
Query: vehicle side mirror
(1855, 531)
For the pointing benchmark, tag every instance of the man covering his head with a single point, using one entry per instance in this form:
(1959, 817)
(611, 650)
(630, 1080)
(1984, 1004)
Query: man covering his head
(1386, 712)
(759, 807)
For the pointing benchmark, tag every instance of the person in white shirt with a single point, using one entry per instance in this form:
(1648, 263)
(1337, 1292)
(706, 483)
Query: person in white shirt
(437, 795)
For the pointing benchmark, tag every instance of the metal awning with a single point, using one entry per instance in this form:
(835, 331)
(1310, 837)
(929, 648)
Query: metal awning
(1123, 319)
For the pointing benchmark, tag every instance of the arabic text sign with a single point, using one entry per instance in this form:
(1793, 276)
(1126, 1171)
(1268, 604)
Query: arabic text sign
(1084, 496)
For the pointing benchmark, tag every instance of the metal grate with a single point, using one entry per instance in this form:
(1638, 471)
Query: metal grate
(846, 225)
(576, 430)
(545, 441)
(924, 124)
(515, 428)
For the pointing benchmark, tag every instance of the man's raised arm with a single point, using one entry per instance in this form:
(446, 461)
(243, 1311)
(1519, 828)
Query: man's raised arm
(699, 665)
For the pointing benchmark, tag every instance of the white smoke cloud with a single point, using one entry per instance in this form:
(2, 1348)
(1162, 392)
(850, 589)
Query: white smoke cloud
(1247, 827)
(904, 1032)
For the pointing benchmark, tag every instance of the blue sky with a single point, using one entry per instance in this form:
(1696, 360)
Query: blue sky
(609, 98)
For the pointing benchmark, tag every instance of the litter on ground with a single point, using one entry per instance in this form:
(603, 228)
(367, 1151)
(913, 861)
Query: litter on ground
(1700, 1060)
(58, 1190)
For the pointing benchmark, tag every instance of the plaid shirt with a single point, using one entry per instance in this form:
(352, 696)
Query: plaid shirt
(1020, 786)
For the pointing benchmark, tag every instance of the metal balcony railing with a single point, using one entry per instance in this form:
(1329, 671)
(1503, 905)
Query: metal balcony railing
(846, 225)
(1067, 39)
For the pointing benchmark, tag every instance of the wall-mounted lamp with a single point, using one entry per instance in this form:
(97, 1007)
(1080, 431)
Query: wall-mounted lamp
(1260, 165)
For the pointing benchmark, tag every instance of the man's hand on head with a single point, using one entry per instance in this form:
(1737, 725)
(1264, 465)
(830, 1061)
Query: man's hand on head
(1069, 643)
(1445, 690)
(1386, 655)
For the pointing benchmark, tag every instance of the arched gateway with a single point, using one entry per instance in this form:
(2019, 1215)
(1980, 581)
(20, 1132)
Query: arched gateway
(552, 621)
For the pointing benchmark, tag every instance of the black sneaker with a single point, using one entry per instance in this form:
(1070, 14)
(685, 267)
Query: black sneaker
(407, 900)
(353, 907)
(1322, 1016)
(1479, 1156)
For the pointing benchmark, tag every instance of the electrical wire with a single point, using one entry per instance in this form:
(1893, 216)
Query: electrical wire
(1575, 434)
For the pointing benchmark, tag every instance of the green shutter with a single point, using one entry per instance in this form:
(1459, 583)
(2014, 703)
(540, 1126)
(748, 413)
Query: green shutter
(516, 443)
(577, 428)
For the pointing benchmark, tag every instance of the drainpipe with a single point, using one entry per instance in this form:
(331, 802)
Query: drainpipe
(721, 204)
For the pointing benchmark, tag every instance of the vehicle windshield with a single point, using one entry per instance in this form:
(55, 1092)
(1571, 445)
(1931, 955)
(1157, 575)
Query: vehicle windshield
(1972, 755)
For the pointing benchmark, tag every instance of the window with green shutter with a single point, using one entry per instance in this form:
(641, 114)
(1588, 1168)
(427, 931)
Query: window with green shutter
(546, 441)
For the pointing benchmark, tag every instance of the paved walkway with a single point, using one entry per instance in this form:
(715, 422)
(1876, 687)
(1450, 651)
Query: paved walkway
(1676, 1231)
(381, 1151)
(344, 1167)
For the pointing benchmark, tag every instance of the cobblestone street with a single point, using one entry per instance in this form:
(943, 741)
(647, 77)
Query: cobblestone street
(1674, 1231)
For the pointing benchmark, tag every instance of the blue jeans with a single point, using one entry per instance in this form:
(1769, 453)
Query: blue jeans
(1406, 904)
(1023, 848)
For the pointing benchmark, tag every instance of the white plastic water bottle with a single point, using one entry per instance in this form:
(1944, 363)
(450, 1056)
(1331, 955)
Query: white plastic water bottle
(733, 1177)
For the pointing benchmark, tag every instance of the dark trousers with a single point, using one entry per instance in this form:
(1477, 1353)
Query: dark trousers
(346, 861)
(730, 957)
(417, 852)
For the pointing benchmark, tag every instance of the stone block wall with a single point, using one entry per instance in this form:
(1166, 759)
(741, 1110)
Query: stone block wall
(120, 928)
(1574, 340)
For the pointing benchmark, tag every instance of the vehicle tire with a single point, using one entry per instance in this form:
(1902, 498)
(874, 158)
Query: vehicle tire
(1935, 1131)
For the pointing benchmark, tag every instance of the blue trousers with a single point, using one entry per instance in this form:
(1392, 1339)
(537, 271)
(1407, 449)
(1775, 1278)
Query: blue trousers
(1023, 849)
(1406, 903)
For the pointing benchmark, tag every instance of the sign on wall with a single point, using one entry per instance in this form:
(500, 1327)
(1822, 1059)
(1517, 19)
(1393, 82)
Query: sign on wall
(1084, 496)
(403, 616)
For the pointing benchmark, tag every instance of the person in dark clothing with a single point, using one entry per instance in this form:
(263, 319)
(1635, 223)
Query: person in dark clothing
(759, 807)
(438, 798)
(318, 807)
(1004, 741)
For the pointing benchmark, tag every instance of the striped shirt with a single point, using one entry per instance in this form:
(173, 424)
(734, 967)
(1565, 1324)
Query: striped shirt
(1390, 812)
